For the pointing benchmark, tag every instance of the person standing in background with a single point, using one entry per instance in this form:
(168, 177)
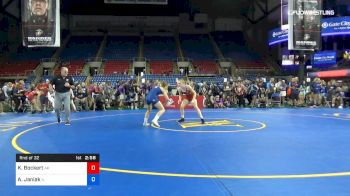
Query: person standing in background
(240, 91)
(62, 85)
(43, 88)
(2, 100)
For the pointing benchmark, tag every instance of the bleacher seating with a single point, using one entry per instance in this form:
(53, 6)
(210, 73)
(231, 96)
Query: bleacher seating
(223, 37)
(216, 80)
(24, 61)
(76, 78)
(74, 67)
(160, 48)
(113, 79)
(32, 54)
(233, 46)
(197, 47)
(250, 64)
(170, 79)
(79, 79)
(23, 68)
(121, 47)
(206, 67)
(81, 47)
(116, 67)
(161, 67)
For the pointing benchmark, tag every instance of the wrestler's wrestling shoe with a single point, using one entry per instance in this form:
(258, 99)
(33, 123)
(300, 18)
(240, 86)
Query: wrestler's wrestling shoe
(181, 120)
(145, 124)
(155, 124)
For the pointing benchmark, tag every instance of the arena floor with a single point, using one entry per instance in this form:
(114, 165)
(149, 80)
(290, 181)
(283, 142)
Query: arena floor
(238, 152)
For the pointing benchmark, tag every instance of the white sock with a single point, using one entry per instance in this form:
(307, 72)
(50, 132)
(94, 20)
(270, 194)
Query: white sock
(182, 116)
(156, 118)
(145, 120)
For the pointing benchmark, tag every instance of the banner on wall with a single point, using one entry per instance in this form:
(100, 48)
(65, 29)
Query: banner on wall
(325, 58)
(330, 74)
(336, 26)
(304, 24)
(278, 35)
(176, 106)
(329, 26)
(41, 23)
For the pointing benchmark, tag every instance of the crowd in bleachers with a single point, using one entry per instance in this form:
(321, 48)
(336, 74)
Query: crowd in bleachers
(128, 93)
(275, 92)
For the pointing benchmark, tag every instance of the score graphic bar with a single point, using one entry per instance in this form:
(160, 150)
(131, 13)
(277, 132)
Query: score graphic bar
(57, 169)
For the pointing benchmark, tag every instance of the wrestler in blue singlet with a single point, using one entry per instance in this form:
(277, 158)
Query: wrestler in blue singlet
(152, 97)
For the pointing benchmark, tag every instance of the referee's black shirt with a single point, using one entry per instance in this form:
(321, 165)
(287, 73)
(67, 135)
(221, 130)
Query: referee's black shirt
(59, 82)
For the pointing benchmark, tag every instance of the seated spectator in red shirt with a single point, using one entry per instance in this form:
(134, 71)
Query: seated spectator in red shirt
(32, 97)
(43, 89)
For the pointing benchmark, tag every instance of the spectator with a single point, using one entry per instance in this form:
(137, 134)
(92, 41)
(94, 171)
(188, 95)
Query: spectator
(109, 93)
(283, 91)
(209, 100)
(316, 90)
(219, 102)
(252, 93)
(337, 100)
(270, 90)
(32, 96)
(43, 89)
(309, 94)
(19, 97)
(240, 91)
(121, 95)
(295, 90)
(346, 55)
(226, 99)
(8, 92)
(302, 93)
(2, 100)
(100, 101)
(95, 92)
(72, 104)
(346, 98)
(7, 88)
(182, 71)
(131, 98)
(262, 98)
(81, 97)
(323, 92)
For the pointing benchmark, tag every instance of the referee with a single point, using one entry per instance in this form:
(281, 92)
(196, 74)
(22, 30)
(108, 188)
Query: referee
(62, 85)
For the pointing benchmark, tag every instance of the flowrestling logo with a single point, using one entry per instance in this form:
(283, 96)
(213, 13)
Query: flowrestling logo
(312, 12)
